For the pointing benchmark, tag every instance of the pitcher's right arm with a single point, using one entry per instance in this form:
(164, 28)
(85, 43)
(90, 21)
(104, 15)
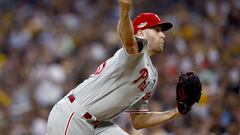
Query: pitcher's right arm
(125, 27)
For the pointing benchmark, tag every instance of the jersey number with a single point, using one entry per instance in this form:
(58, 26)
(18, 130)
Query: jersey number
(100, 68)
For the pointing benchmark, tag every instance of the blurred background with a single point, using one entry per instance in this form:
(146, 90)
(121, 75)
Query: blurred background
(48, 47)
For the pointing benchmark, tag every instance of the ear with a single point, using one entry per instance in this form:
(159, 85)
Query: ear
(140, 33)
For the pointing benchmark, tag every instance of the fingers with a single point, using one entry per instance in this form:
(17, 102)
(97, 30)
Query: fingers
(125, 6)
(126, 1)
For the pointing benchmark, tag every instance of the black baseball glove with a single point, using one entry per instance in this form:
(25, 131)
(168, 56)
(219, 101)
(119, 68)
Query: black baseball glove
(188, 91)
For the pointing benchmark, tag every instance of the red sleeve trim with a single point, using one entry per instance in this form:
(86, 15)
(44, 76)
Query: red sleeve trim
(136, 111)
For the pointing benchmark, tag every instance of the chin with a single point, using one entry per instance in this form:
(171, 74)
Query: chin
(159, 50)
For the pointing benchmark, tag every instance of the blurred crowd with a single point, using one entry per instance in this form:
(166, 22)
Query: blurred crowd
(48, 47)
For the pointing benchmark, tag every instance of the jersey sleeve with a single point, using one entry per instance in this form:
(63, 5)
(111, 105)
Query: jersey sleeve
(140, 106)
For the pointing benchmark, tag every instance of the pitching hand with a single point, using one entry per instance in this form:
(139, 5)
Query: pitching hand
(125, 1)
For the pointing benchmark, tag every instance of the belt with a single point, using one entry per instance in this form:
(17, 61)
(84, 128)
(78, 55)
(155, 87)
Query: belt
(87, 116)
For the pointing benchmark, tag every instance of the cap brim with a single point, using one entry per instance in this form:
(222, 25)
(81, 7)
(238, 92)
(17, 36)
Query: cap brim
(165, 26)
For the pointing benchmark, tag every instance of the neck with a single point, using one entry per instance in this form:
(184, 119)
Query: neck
(150, 53)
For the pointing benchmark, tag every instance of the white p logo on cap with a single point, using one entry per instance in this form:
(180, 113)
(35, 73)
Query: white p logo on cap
(141, 25)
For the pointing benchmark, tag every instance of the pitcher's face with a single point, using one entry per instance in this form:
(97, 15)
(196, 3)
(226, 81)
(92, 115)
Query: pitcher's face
(155, 38)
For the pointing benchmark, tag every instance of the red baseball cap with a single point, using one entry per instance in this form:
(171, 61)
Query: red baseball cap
(148, 20)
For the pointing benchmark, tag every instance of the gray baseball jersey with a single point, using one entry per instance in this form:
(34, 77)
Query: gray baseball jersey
(122, 83)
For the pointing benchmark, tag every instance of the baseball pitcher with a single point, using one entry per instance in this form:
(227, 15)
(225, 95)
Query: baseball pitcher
(124, 82)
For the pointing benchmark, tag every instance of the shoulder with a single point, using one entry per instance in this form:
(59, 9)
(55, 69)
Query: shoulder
(142, 46)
